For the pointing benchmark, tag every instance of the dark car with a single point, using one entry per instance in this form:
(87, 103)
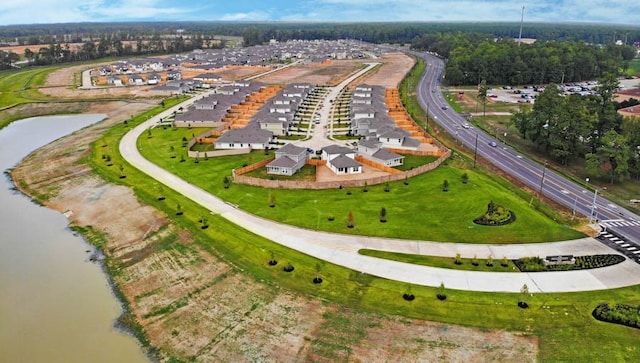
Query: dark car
(445, 107)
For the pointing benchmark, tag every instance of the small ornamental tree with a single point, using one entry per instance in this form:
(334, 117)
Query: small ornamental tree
(408, 295)
(365, 188)
(464, 178)
(504, 262)
(318, 279)
(226, 182)
(524, 292)
(387, 188)
(350, 223)
(445, 185)
(383, 215)
(442, 292)
(171, 151)
(490, 261)
(474, 261)
(458, 260)
(179, 211)
(272, 200)
(272, 260)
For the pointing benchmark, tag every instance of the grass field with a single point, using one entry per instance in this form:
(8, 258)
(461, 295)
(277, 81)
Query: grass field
(562, 322)
(445, 262)
(419, 210)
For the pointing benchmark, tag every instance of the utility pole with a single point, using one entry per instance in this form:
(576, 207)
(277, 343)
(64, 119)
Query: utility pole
(475, 152)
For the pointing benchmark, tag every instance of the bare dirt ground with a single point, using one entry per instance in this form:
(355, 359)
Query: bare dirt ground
(389, 74)
(188, 300)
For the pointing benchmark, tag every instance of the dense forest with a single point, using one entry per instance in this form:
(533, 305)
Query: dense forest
(373, 32)
(474, 57)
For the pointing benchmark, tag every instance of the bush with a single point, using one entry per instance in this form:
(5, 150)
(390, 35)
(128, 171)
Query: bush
(618, 314)
(496, 215)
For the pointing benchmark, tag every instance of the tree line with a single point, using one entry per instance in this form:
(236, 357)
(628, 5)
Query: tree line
(373, 32)
(476, 57)
(111, 46)
(588, 128)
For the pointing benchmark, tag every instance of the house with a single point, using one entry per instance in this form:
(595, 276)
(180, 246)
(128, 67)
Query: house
(276, 123)
(388, 158)
(341, 159)
(153, 79)
(362, 111)
(332, 151)
(114, 80)
(289, 159)
(343, 164)
(207, 78)
(249, 137)
(135, 80)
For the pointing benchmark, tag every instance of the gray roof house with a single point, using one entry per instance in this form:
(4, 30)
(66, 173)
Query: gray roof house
(341, 159)
(289, 159)
(343, 164)
(249, 137)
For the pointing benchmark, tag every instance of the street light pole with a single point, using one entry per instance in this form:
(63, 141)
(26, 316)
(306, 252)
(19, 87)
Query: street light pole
(475, 152)
(593, 206)
(544, 170)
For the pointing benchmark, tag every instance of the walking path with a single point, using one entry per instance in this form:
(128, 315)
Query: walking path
(343, 249)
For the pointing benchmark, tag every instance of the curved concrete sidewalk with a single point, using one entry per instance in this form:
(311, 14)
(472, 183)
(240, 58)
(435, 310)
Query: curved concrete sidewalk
(343, 249)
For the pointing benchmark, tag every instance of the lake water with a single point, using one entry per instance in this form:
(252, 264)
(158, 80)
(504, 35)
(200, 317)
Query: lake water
(55, 305)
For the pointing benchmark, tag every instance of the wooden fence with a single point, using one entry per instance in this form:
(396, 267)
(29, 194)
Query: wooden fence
(300, 184)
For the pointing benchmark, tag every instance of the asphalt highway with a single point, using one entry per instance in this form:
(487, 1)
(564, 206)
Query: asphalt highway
(576, 197)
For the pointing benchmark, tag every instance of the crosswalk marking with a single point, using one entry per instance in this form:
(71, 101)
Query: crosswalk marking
(636, 252)
(625, 245)
(631, 248)
(619, 223)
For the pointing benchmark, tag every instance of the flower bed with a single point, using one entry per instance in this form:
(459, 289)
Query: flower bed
(620, 314)
(535, 264)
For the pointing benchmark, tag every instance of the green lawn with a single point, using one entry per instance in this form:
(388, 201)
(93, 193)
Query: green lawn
(420, 210)
(445, 262)
(562, 322)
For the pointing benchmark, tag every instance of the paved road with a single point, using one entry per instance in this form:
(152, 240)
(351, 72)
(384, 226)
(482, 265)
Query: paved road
(574, 196)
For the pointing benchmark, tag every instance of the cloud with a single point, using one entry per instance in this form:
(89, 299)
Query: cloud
(57, 11)
(250, 16)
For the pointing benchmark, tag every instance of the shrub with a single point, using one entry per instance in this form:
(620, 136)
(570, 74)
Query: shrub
(442, 292)
(458, 259)
(495, 215)
(490, 261)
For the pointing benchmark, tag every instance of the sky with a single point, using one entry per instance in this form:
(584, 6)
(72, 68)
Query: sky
(554, 11)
